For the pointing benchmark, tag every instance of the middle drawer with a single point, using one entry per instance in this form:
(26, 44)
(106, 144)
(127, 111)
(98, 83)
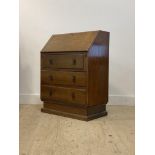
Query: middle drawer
(49, 77)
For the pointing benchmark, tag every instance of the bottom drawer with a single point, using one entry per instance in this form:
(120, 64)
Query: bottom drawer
(63, 94)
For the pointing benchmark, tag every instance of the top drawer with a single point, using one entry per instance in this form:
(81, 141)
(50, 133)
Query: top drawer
(62, 61)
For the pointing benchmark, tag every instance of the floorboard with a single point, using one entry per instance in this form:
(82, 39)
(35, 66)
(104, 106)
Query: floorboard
(46, 134)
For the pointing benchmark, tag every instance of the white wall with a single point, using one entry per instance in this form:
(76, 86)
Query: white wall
(39, 19)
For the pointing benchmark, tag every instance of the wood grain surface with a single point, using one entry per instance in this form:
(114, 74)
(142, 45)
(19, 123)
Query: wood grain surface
(70, 42)
(64, 78)
(44, 134)
(62, 61)
(70, 95)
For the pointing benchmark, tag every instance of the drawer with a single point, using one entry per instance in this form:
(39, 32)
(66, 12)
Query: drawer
(62, 61)
(63, 94)
(63, 78)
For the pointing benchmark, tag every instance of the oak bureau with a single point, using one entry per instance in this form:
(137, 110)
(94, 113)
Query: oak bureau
(74, 74)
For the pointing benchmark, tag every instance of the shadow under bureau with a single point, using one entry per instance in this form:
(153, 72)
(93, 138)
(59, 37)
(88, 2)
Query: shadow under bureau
(74, 74)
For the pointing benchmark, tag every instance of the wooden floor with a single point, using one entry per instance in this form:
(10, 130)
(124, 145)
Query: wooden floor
(46, 134)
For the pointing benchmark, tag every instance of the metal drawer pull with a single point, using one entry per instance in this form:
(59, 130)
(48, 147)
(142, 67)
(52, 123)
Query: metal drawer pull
(74, 61)
(74, 79)
(51, 78)
(51, 61)
(50, 93)
(73, 96)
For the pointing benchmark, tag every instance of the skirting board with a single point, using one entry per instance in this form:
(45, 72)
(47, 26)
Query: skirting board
(113, 99)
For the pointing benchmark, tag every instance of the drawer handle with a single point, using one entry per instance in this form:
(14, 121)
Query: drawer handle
(51, 61)
(51, 78)
(74, 61)
(74, 79)
(50, 93)
(73, 96)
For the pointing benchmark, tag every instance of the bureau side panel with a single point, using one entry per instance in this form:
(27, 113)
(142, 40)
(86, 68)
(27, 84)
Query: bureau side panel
(98, 70)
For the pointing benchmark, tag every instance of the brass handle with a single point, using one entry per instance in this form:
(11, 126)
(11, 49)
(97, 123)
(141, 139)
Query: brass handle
(51, 78)
(51, 61)
(74, 61)
(74, 79)
(50, 93)
(73, 96)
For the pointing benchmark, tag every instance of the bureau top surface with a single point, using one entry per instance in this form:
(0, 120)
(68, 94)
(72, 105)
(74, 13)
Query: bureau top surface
(81, 41)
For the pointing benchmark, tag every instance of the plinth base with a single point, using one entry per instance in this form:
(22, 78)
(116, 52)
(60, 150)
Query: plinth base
(77, 112)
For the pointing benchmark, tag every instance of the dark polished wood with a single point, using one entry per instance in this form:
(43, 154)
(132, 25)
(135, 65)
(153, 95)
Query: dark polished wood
(65, 94)
(98, 66)
(62, 61)
(74, 74)
(64, 78)
(81, 113)
(71, 42)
